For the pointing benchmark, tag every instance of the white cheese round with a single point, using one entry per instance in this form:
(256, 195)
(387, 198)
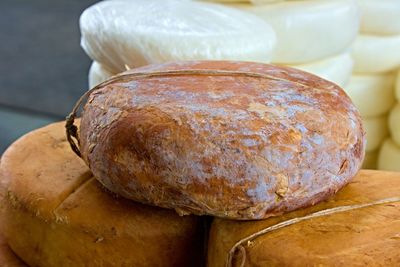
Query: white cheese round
(375, 54)
(136, 33)
(380, 16)
(309, 30)
(372, 94)
(336, 69)
(377, 130)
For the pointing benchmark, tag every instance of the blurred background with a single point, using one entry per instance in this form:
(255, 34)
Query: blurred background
(43, 68)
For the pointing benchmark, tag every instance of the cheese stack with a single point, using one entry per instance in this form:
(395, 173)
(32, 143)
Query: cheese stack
(123, 34)
(314, 35)
(389, 156)
(376, 55)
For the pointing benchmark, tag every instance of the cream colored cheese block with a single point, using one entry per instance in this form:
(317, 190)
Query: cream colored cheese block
(370, 160)
(97, 74)
(136, 33)
(380, 16)
(372, 94)
(309, 30)
(389, 156)
(374, 54)
(398, 86)
(394, 124)
(336, 69)
(377, 130)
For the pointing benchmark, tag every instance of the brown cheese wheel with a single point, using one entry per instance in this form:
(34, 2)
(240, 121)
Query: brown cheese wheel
(368, 236)
(230, 145)
(57, 214)
(7, 256)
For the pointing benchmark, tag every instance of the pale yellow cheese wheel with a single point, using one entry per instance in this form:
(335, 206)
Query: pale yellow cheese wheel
(309, 30)
(377, 130)
(97, 74)
(380, 16)
(336, 69)
(370, 160)
(376, 54)
(372, 94)
(394, 123)
(389, 156)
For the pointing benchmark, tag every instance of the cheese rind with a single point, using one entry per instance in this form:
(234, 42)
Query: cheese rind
(361, 237)
(57, 214)
(372, 94)
(380, 16)
(376, 54)
(336, 69)
(389, 156)
(309, 30)
(124, 33)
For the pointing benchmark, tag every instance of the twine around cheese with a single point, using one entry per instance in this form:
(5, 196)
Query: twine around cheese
(239, 245)
(72, 130)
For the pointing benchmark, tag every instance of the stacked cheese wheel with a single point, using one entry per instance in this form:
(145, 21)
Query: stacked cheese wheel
(376, 54)
(320, 37)
(120, 34)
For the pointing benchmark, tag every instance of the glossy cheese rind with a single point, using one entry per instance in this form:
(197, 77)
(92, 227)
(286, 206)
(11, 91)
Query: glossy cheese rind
(231, 146)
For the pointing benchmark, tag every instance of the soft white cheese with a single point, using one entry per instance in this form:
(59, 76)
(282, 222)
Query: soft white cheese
(136, 33)
(372, 94)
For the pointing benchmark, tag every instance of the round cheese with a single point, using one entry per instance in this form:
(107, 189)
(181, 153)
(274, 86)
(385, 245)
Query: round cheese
(389, 156)
(377, 130)
(380, 16)
(336, 69)
(124, 33)
(7, 257)
(57, 214)
(372, 94)
(375, 54)
(309, 30)
(394, 124)
(97, 74)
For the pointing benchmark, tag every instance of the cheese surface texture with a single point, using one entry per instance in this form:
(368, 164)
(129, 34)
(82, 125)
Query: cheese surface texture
(136, 33)
(309, 30)
(57, 214)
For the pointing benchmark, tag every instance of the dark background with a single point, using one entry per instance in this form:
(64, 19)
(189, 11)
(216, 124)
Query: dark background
(43, 68)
